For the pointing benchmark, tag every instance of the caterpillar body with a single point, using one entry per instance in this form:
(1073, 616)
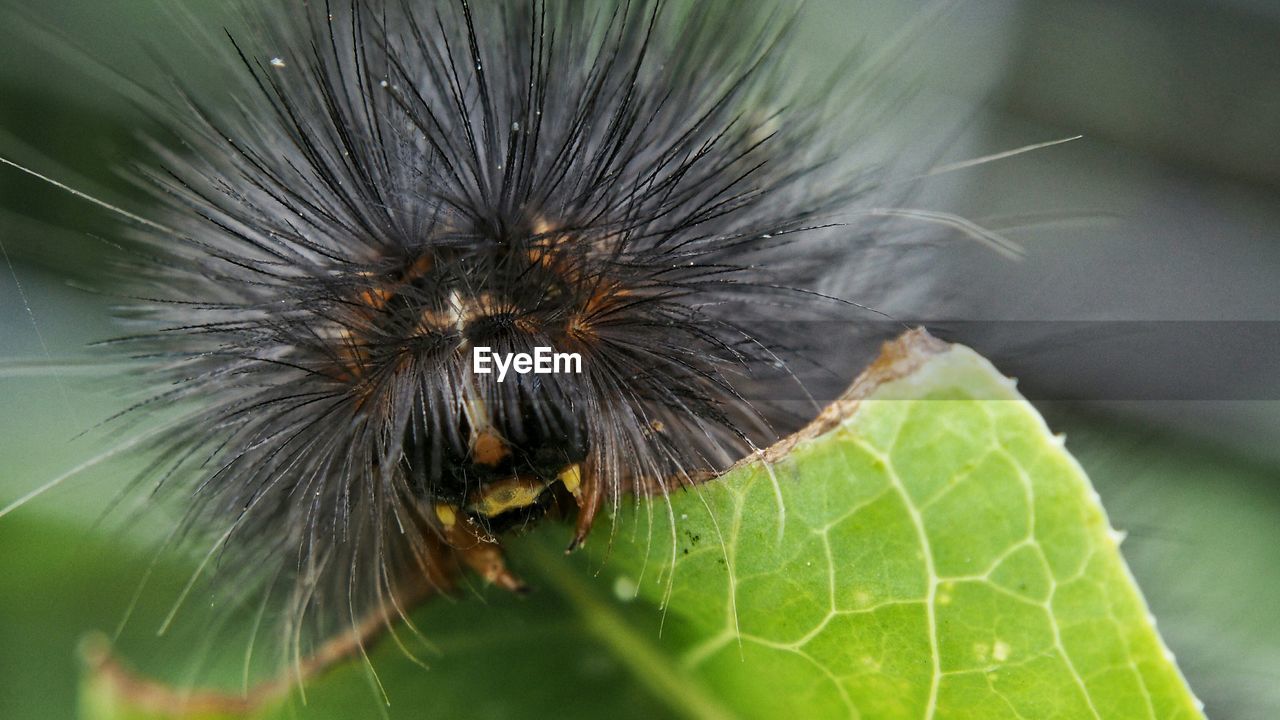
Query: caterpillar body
(388, 187)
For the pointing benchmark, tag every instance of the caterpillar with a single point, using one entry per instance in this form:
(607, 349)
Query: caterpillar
(388, 190)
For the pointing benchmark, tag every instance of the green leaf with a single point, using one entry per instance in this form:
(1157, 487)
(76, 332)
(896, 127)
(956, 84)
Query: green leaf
(940, 555)
(926, 549)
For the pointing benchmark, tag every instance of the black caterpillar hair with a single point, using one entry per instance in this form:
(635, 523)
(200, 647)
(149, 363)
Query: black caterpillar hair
(390, 185)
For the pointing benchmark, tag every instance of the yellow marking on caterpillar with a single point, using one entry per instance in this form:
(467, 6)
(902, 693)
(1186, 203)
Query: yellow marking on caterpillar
(571, 478)
(512, 494)
(447, 513)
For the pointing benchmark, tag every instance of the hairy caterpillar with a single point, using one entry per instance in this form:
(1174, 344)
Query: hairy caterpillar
(390, 186)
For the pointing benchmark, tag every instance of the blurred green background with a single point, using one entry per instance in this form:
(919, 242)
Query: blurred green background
(1168, 209)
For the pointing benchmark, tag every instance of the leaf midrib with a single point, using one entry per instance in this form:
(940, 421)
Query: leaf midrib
(634, 650)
